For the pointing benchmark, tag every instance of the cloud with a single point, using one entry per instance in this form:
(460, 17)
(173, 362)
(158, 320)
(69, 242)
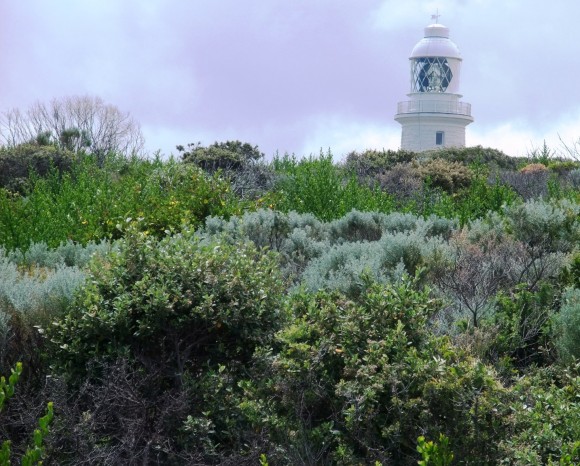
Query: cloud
(291, 76)
(519, 137)
(343, 135)
(395, 15)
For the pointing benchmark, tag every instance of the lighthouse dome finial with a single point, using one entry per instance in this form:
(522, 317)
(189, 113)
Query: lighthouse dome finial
(437, 30)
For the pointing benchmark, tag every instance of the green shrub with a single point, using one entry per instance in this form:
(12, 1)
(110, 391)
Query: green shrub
(354, 381)
(435, 454)
(173, 304)
(571, 274)
(32, 455)
(562, 166)
(470, 203)
(520, 325)
(317, 186)
(567, 323)
(229, 155)
(91, 202)
(543, 425)
(18, 163)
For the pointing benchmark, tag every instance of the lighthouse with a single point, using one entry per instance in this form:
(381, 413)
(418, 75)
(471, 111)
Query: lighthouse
(434, 117)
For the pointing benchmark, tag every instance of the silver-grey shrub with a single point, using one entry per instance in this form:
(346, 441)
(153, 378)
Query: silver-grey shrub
(298, 238)
(38, 284)
(265, 227)
(37, 290)
(301, 238)
(37, 295)
(412, 248)
(356, 226)
(345, 267)
(68, 253)
(573, 178)
(551, 226)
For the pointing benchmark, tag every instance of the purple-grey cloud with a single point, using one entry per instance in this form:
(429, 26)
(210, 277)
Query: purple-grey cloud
(287, 75)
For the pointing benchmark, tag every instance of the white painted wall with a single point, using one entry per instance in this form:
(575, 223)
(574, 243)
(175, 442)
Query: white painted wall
(419, 130)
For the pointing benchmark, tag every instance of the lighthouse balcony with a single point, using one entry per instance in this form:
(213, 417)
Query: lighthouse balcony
(434, 106)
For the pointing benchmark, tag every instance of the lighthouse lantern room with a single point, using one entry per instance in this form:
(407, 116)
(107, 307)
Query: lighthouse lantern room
(433, 117)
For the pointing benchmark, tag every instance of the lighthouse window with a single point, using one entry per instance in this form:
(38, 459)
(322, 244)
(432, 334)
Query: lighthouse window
(430, 74)
(439, 138)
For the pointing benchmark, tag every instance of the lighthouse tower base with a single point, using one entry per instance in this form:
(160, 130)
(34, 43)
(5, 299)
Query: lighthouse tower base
(425, 131)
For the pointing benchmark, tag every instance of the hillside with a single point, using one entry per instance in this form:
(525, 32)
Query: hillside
(388, 308)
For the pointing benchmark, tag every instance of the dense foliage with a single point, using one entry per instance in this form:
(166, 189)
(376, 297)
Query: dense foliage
(394, 308)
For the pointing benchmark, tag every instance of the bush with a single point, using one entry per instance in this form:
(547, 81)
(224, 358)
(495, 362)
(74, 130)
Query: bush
(483, 156)
(449, 176)
(229, 155)
(543, 425)
(92, 203)
(301, 238)
(30, 297)
(567, 323)
(19, 163)
(403, 181)
(534, 168)
(356, 226)
(574, 178)
(372, 162)
(173, 304)
(550, 226)
(521, 329)
(529, 185)
(316, 186)
(240, 162)
(354, 381)
(349, 266)
(470, 203)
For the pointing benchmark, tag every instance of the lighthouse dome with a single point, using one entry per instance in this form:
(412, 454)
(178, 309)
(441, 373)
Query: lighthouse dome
(436, 43)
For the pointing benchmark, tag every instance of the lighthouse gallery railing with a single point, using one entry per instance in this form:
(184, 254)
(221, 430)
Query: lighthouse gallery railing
(434, 106)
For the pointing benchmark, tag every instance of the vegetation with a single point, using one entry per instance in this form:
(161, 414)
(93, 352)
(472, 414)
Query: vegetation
(394, 308)
(74, 123)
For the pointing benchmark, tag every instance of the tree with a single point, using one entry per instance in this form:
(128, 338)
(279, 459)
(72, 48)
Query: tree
(74, 123)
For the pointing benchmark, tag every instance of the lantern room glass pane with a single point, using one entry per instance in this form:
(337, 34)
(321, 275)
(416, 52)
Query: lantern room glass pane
(430, 74)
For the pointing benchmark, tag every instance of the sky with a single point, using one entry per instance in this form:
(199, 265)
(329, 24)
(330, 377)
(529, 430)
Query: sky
(296, 76)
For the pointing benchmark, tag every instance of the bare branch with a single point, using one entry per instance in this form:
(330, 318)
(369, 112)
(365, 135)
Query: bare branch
(77, 122)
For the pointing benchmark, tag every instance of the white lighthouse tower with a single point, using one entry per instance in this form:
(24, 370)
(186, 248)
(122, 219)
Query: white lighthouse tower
(434, 117)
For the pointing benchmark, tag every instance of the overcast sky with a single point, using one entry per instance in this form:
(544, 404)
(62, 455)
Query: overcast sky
(294, 76)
